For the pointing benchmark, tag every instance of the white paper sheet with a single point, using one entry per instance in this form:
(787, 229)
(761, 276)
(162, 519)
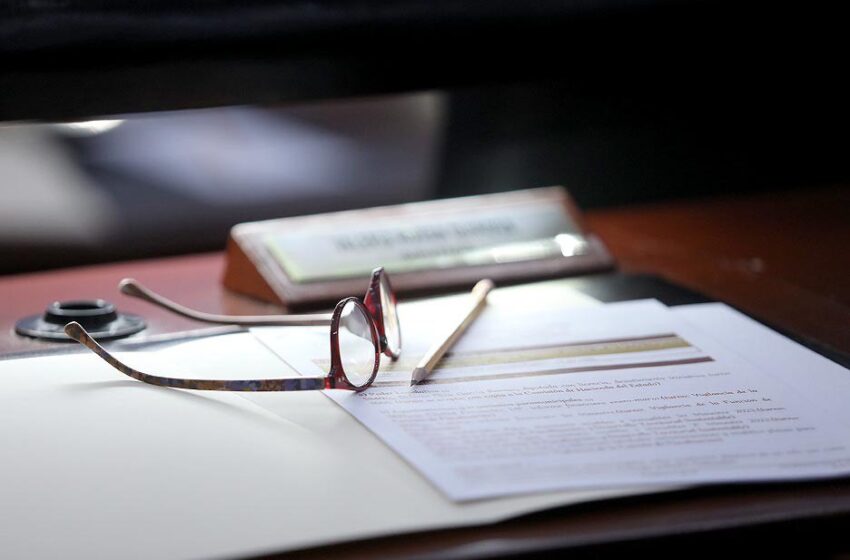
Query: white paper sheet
(815, 377)
(97, 465)
(622, 395)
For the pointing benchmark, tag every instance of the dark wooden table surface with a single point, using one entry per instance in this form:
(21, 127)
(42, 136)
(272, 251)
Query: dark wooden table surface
(782, 257)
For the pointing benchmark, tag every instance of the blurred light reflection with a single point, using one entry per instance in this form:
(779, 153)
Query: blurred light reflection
(571, 244)
(88, 128)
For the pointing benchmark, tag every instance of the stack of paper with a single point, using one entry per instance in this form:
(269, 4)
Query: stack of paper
(626, 394)
(549, 399)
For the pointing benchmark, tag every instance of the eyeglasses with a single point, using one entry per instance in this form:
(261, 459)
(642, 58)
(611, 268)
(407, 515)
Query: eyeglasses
(360, 332)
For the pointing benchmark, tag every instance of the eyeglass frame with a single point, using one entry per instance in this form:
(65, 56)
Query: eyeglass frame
(371, 307)
(372, 301)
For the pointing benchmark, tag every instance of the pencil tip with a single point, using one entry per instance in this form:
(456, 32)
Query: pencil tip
(418, 375)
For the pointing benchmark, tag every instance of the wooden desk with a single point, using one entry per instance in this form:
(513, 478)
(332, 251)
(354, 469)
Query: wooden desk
(783, 258)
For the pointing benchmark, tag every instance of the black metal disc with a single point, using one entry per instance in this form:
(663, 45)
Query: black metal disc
(98, 317)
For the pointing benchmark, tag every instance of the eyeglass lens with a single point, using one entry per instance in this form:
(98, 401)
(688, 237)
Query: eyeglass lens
(357, 345)
(391, 327)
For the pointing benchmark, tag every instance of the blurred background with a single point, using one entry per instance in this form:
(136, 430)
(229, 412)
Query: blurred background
(130, 131)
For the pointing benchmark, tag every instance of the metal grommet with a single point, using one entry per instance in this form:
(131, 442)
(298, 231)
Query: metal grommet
(97, 316)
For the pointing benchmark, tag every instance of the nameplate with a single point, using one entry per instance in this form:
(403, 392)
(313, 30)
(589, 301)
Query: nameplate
(428, 246)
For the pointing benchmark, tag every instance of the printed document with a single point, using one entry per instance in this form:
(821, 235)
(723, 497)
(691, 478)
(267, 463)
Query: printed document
(577, 398)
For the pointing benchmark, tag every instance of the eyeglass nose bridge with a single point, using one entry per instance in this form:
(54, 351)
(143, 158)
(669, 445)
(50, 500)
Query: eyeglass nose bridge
(375, 307)
(372, 299)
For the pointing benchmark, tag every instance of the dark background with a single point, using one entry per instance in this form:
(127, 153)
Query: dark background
(623, 102)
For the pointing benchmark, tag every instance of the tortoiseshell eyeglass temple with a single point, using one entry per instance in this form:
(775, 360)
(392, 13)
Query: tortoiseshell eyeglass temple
(360, 331)
(78, 333)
